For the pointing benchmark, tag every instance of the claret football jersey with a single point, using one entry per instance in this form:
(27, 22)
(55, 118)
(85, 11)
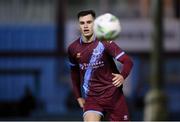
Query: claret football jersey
(92, 65)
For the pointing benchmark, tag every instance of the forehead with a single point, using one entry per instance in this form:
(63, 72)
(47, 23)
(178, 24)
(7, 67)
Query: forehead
(86, 18)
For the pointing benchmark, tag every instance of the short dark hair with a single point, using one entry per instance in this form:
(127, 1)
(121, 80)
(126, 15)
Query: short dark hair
(86, 12)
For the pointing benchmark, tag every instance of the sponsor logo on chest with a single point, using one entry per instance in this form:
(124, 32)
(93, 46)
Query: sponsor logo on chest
(95, 65)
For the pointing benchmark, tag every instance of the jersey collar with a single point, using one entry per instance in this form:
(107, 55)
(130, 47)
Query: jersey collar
(81, 39)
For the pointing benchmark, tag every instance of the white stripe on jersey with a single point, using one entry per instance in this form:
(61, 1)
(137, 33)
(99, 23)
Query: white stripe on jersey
(119, 55)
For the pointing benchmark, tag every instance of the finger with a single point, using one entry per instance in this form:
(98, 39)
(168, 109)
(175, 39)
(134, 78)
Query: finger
(115, 83)
(119, 85)
(115, 78)
(114, 74)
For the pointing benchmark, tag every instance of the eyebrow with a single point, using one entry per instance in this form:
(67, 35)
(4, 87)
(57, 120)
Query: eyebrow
(89, 21)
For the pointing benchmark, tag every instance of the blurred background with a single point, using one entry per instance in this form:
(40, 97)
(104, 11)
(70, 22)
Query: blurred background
(35, 79)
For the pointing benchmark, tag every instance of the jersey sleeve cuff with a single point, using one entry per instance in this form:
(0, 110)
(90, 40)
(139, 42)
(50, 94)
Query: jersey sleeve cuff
(119, 55)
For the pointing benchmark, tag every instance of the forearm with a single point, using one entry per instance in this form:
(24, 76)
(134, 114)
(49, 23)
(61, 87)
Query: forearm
(127, 66)
(75, 77)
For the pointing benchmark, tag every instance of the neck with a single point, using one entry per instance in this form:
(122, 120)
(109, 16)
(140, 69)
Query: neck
(88, 39)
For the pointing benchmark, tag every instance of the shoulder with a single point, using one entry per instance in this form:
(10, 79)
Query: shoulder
(108, 43)
(73, 45)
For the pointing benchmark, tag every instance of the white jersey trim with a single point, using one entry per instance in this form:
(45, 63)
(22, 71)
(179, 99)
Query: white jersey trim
(98, 112)
(119, 55)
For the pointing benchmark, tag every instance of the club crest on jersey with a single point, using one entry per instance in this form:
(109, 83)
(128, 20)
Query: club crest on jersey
(78, 55)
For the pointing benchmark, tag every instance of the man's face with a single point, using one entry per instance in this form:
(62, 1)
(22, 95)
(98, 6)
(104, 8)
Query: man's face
(86, 25)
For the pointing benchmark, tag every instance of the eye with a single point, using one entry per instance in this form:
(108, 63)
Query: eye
(81, 23)
(89, 22)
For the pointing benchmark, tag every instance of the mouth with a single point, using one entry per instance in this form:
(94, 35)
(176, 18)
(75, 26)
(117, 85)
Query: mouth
(86, 31)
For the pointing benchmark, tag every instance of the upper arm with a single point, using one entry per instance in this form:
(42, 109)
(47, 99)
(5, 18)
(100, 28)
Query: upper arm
(72, 60)
(114, 50)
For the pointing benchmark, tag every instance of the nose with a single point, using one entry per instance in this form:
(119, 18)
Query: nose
(85, 25)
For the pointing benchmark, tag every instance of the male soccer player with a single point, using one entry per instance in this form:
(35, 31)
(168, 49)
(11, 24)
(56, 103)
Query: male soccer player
(94, 70)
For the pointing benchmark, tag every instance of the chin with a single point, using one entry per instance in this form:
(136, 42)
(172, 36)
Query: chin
(88, 35)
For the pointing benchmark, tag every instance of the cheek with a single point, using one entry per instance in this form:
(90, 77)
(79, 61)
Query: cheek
(81, 28)
(91, 27)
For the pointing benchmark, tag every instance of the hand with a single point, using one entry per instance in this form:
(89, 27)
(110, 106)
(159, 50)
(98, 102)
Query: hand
(81, 102)
(118, 80)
